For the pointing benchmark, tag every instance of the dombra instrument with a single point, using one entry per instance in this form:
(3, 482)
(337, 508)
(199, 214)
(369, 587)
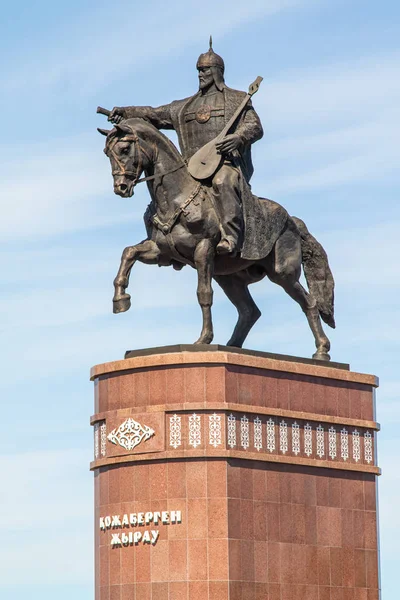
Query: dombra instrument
(206, 161)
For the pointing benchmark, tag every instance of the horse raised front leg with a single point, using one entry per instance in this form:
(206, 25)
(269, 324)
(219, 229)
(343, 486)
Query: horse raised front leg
(204, 263)
(146, 252)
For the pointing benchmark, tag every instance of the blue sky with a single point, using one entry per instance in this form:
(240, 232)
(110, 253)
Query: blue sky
(329, 104)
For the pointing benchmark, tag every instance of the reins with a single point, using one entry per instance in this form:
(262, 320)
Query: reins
(161, 175)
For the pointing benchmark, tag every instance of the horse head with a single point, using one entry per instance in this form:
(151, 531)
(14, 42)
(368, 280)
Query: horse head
(129, 155)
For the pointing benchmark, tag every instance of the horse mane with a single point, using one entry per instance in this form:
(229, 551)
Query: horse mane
(146, 131)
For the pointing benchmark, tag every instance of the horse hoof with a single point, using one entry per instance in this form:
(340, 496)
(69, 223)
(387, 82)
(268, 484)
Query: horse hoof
(122, 304)
(321, 356)
(206, 339)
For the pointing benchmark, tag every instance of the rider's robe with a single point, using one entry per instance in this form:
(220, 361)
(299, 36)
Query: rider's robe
(254, 223)
(195, 125)
(200, 119)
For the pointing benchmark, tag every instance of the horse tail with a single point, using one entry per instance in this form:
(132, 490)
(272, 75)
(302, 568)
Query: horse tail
(317, 273)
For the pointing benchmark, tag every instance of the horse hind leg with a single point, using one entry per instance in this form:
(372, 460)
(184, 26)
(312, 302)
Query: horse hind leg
(285, 271)
(236, 289)
(308, 305)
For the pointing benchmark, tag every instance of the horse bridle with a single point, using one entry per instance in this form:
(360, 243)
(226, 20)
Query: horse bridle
(139, 150)
(122, 171)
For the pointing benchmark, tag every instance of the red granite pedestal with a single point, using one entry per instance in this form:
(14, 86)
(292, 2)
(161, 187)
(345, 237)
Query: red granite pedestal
(225, 475)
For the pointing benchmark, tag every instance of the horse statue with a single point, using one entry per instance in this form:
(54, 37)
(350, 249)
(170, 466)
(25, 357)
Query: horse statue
(183, 229)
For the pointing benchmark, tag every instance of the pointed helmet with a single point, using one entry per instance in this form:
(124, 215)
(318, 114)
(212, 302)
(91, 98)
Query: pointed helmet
(210, 59)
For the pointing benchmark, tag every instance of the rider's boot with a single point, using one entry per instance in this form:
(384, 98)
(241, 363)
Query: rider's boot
(228, 245)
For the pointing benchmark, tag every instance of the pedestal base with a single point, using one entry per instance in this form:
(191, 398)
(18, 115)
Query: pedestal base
(233, 475)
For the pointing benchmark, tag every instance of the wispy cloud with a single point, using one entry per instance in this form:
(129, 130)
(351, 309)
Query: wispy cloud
(341, 93)
(367, 256)
(331, 126)
(104, 53)
(69, 187)
(63, 189)
(49, 307)
(370, 166)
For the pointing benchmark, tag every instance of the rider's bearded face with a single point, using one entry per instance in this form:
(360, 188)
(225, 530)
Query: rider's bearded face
(206, 78)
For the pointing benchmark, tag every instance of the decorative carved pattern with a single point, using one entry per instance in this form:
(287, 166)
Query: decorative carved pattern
(244, 432)
(332, 443)
(270, 435)
(368, 447)
(344, 443)
(356, 446)
(96, 440)
(103, 438)
(129, 434)
(320, 441)
(308, 439)
(283, 437)
(231, 431)
(296, 438)
(215, 430)
(175, 431)
(278, 437)
(194, 430)
(258, 434)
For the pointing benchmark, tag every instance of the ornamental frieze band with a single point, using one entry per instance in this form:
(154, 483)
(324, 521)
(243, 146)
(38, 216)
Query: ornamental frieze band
(267, 436)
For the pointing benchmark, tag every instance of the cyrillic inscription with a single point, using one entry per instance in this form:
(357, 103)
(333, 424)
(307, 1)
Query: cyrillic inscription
(140, 519)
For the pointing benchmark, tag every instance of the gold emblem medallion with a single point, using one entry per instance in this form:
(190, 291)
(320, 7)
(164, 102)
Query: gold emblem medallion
(203, 113)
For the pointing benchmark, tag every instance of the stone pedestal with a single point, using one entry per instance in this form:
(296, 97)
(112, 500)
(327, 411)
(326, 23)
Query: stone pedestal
(224, 474)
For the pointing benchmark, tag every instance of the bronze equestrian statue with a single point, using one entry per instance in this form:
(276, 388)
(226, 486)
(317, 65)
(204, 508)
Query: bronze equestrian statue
(202, 211)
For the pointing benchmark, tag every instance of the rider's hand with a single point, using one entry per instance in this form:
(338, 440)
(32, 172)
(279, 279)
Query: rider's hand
(116, 115)
(230, 143)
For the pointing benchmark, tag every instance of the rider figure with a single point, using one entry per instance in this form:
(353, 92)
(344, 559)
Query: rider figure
(198, 120)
